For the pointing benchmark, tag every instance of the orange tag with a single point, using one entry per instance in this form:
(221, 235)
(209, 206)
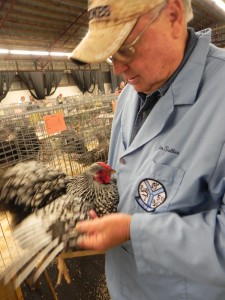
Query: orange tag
(55, 123)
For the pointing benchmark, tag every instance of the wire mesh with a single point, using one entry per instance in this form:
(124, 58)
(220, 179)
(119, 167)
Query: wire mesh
(68, 137)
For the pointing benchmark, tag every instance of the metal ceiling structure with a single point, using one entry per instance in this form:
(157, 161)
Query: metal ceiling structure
(208, 15)
(59, 25)
(44, 25)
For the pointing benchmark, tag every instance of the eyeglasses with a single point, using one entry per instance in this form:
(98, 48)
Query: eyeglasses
(127, 52)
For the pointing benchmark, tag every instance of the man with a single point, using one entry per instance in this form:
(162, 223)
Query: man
(22, 100)
(59, 99)
(167, 241)
(120, 88)
(32, 105)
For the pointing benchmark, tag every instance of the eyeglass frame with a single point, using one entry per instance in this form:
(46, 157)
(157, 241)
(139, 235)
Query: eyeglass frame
(130, 49)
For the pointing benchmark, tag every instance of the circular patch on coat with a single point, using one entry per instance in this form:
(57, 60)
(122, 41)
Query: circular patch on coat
(152, 194)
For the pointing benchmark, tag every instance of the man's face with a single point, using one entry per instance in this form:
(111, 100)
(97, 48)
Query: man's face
(157, 55)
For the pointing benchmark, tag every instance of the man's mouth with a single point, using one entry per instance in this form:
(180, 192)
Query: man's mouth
(132, 80)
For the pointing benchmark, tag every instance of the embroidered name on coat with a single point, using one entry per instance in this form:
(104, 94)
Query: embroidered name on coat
(151, 194)
(170, 150)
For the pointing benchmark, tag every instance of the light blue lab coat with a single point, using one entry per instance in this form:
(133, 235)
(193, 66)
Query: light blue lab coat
(177, 249)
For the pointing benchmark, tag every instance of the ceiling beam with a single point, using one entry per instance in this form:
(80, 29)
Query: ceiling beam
(7, 13)
(69, 27)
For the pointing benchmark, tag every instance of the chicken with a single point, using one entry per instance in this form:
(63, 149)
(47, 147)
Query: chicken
(46, 205)
(8, 152)
(18, 143)
(27, 142)
(99, 153)
(71, 142)
(95, 154)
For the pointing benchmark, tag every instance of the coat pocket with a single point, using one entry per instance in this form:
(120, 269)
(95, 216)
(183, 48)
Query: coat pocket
(156, 187)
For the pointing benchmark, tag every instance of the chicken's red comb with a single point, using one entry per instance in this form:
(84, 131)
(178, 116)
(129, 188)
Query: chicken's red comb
(104, 165)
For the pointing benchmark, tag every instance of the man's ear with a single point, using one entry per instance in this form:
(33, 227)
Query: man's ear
(176, 16)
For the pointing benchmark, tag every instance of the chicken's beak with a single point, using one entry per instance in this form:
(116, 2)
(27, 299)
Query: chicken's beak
(112, 171)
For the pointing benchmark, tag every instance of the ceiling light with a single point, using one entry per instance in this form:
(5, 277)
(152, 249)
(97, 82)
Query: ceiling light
(37, 53)
(25, 52)
(220, 3)
(44, 53)
(60, 54)
(20, 52)
(4, 51)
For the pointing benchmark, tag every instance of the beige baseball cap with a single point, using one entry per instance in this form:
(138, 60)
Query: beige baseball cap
(110, 23)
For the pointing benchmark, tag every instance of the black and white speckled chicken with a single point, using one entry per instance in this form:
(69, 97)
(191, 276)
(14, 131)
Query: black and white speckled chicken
(99, 153)
(71, 142)
(46, 205)
(18, 142)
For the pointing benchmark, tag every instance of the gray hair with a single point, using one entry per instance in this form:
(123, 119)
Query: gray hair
(188, 10)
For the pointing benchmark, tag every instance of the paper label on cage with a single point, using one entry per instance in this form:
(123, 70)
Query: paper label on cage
(55, 123)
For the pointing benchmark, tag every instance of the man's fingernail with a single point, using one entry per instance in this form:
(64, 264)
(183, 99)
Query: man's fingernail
(77, 227)
(79, 240)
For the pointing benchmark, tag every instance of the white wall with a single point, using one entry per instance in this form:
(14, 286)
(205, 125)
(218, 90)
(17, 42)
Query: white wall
(14, 96)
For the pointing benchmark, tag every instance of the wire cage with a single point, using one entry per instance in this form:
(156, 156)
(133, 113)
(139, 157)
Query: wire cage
(68, 137)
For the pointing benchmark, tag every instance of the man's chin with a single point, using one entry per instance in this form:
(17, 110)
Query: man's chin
(142, 89)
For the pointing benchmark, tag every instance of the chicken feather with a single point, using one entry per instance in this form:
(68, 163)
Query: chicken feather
(47, 204)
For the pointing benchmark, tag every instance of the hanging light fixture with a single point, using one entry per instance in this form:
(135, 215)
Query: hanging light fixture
(4, 51)
(219, 3)
(37, 53)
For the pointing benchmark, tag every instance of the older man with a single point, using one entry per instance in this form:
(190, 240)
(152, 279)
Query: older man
(167, 241)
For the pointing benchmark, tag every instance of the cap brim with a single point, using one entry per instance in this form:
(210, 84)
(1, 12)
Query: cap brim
(101, 43)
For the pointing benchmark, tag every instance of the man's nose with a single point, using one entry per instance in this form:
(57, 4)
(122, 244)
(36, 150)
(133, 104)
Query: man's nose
(119, 67)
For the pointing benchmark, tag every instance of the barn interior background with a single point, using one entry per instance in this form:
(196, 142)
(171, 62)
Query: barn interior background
(68, 136)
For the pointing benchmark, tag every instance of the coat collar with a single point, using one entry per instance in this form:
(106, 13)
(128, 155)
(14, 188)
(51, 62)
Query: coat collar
(186, 85)
(183, 91)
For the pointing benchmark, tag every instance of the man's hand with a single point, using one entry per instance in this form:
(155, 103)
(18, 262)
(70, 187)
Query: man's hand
(104, 233)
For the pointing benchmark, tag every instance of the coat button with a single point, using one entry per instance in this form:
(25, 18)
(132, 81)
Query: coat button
(122, 161)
